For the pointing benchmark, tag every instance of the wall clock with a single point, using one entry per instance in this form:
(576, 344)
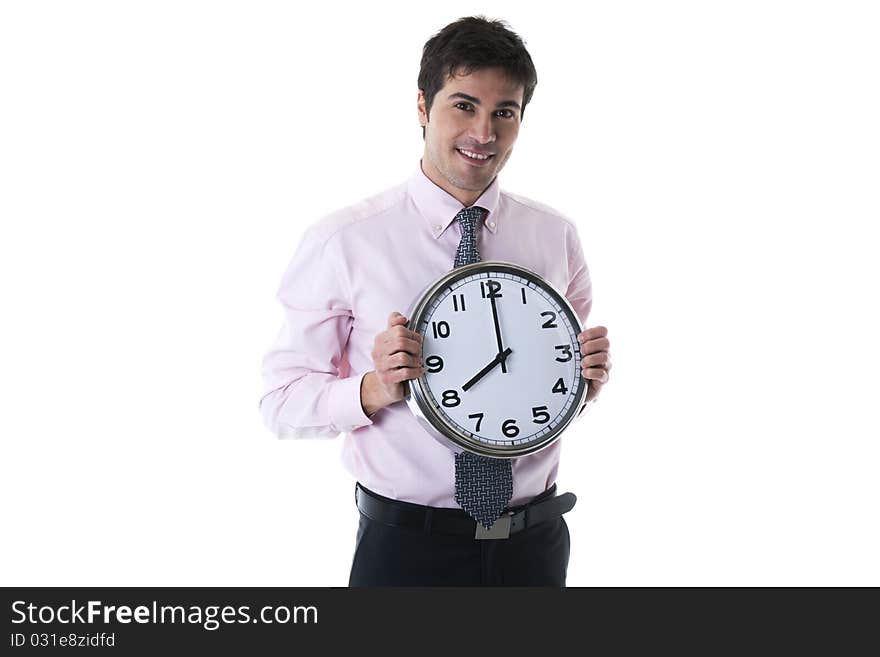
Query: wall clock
(502, 360)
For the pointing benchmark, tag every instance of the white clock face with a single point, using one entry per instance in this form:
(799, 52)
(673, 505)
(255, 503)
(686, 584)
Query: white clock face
(509, 389)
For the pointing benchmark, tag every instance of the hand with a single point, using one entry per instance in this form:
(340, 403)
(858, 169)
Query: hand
(396, 359)
(497, 334)
(595, 359)
(501, 358)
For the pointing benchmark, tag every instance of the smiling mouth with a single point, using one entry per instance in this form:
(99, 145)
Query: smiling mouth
(475, 158)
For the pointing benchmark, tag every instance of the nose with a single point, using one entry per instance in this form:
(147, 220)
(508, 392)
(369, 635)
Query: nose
(482, 130)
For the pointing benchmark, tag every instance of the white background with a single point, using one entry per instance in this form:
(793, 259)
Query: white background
(160, 160)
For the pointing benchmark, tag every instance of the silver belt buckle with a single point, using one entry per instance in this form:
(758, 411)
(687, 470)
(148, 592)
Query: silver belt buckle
(499, 529)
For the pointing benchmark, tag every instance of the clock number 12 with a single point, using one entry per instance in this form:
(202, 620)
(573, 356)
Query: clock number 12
(494, 289)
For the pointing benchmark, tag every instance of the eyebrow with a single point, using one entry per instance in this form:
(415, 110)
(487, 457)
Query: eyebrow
(476, 101)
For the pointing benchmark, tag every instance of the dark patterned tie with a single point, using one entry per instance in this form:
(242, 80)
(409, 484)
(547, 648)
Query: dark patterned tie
(483, 486)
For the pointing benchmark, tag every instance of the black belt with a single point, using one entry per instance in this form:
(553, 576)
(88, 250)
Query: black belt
(545, 506)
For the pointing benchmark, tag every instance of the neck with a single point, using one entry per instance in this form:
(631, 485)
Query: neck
(464, 196)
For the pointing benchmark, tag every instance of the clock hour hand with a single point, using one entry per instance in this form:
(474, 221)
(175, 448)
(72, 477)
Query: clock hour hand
(498, 333)
(499, 359)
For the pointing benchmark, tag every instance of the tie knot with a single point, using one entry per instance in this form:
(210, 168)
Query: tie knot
(467, 247)
(469, 217)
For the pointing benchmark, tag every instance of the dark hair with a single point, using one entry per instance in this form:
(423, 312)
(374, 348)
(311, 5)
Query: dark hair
(470, 44)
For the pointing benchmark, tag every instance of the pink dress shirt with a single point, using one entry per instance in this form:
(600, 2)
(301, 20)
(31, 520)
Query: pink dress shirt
(351, 270)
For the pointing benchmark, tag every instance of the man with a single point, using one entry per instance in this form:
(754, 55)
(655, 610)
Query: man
(341, 361)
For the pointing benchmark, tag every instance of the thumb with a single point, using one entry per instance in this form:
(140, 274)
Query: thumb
(395, 318)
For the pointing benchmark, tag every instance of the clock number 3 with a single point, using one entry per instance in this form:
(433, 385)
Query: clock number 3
(566, 351)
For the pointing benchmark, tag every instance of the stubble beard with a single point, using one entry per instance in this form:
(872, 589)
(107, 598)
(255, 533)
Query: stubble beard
(449, 172)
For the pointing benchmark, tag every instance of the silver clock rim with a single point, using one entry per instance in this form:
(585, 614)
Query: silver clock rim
(423, 410)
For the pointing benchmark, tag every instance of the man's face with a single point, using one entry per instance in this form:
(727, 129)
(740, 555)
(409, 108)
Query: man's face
(479, 113)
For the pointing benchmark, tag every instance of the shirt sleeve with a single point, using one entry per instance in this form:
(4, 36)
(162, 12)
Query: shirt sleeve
(307, 392)
(580, 289)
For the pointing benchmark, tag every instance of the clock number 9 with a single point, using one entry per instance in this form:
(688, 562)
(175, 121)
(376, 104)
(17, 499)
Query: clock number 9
(434, 363)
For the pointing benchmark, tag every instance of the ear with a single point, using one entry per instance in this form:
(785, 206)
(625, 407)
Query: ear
(420, 104)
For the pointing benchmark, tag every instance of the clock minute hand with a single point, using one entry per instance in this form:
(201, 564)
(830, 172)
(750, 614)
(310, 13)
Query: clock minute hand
(498, 332)
(499, 359)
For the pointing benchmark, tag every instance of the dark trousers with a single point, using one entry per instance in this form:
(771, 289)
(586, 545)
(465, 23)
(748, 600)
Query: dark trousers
(395, 556)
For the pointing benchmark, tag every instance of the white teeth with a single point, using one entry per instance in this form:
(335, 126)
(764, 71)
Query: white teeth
(474, 155)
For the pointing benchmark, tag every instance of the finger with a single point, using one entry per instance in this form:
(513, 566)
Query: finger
(405, 373)
(593, 346)
(401, 359)
(599, 358)
(396, 319)
(593, 389)
(401, 332)
(405, 345)
(592, 333)
(595, 374)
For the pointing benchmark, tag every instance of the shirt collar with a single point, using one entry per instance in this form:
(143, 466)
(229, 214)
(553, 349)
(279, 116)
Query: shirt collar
(438, 207)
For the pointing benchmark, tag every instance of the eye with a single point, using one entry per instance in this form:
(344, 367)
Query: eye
(505, 113)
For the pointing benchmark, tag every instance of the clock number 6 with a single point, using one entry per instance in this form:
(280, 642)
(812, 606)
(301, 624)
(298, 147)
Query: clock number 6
(509, 428)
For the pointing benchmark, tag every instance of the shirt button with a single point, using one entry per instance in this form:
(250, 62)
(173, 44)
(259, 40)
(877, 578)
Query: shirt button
(491, 224)
(437, 227)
